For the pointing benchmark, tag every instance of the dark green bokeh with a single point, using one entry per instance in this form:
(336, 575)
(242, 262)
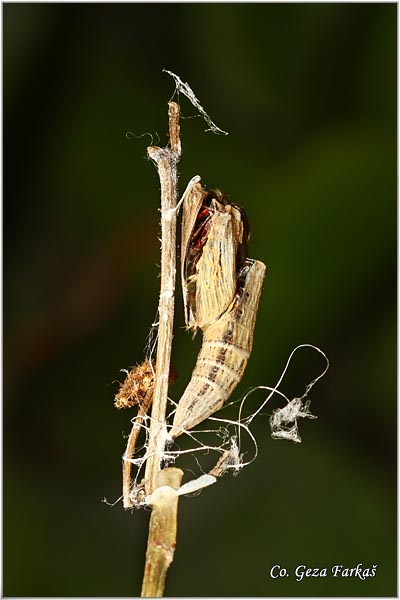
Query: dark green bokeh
(308, 95)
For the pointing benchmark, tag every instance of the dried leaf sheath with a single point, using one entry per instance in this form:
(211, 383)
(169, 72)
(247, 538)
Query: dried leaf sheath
(213, 250)
(223, 357)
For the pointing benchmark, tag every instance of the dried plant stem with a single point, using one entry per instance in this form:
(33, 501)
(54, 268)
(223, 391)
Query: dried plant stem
(162, 527)
(162, 533)
(130, 448)
(166, 160)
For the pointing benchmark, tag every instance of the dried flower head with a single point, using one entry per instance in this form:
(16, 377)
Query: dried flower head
(136, 385)
(138, 382)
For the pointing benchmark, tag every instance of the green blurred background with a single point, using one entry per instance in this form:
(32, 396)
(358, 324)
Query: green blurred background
(308, 95)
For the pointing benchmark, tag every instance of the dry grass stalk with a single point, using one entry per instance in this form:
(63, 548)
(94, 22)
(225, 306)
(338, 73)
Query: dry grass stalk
(130, 448)
(162, 533)
(163, 524)
(166, 160)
